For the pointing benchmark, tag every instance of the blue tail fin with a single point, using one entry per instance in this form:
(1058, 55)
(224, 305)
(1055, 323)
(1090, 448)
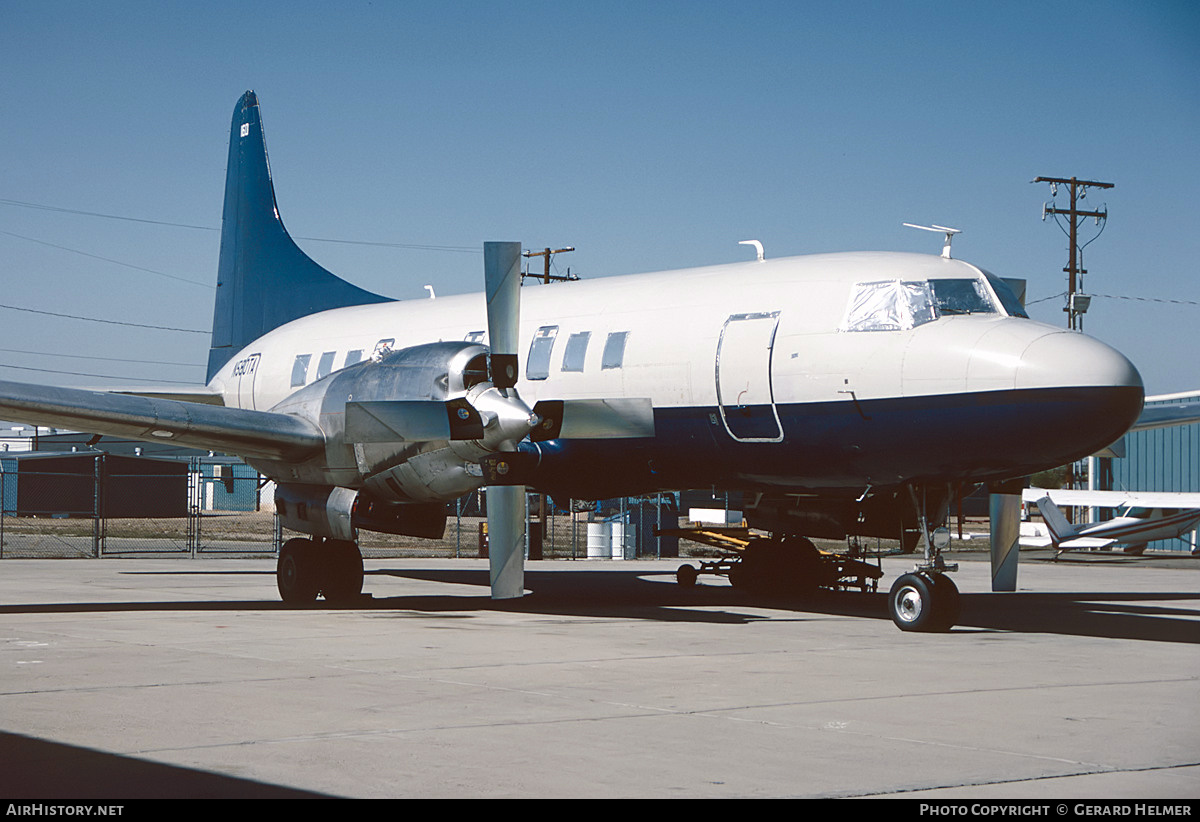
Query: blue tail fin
(263, 278)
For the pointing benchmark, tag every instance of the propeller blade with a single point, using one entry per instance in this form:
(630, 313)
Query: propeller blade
(593, 419)
(506, 540)
(506, 504)
(502, 281)
(412, 420)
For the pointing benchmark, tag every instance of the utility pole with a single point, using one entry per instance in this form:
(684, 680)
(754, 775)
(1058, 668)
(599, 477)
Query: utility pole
(547, 277)
(1077, 303)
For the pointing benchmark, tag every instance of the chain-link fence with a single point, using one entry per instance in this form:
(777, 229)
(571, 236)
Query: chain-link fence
(94, 504)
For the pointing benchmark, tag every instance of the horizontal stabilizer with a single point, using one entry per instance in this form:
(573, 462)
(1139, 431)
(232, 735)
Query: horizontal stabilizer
(593, 419)
(230, 430)
(412, 421)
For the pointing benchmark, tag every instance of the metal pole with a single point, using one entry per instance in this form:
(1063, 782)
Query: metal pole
(3, 507)
(97, 505)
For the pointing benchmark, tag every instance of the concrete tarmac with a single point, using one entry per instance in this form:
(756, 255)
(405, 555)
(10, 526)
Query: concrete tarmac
(128, 678)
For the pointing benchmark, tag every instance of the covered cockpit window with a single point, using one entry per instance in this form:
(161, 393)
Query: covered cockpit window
(890, 305)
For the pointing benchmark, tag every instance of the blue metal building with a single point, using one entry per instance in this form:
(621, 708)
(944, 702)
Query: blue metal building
(1164, 459)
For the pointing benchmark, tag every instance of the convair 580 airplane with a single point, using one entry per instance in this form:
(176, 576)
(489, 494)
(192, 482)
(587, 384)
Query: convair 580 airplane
(846, 393)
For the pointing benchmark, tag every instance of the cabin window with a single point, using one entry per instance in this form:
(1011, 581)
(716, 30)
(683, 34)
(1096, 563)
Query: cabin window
(576, 351)
(475, 336)
(353, 357)
(614, 350)
(538, 365)
(325, 364)
(300, 370)
(890, 305)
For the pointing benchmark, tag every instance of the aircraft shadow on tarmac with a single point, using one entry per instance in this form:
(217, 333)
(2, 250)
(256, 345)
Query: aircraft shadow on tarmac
(37, 769)
(634, 594)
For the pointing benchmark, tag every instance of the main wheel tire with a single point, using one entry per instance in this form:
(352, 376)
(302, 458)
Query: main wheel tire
(916, 603)
(296, 573)
(686, 576)
(342, 571)
(788, 566)
(946, 602)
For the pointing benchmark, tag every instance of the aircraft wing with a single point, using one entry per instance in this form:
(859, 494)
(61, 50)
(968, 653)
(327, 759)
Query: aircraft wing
(1114, 499)
(231, 430)
(1164, 416)
(183, 393)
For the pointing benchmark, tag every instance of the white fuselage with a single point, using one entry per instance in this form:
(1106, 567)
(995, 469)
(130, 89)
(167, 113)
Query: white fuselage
(778, 328)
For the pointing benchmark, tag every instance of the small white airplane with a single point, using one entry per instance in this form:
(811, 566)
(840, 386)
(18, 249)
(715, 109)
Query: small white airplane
(1145, 517)
(845, 393)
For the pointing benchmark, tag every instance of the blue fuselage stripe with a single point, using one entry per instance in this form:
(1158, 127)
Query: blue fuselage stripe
(972, 437)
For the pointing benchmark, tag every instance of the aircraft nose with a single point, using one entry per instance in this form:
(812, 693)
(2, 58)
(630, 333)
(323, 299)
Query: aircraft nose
(1096, 393)
(1068, 359)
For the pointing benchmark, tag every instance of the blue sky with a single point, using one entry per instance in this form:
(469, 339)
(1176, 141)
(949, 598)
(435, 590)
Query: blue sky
(647, 135)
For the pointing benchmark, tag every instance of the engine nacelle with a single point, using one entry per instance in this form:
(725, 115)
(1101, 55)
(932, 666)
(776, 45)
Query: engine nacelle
(325, 511)
(320, 510)
(409, 427)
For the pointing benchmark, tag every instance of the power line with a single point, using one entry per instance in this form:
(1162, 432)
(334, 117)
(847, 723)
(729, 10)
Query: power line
(461, 249)
(86, 374)
(106, 359)
(98, 320)
(1114, 297)
(1147, 299)
(40, 207)
(108, 260)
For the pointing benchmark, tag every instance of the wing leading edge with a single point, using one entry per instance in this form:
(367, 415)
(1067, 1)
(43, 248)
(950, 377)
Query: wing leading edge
(231, 430)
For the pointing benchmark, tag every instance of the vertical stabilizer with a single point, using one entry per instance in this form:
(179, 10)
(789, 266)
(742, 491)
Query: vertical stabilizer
(263, 278)
(1060, 528)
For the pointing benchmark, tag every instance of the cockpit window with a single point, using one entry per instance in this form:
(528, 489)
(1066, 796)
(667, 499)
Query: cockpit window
(891, 305)
(961, 297)
(1008, 299)
(898, 305)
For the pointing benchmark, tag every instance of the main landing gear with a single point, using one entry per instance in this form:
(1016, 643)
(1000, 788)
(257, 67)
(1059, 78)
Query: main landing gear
(332, 568)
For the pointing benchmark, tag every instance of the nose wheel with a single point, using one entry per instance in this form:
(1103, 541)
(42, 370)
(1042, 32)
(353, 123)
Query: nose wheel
(926, 601)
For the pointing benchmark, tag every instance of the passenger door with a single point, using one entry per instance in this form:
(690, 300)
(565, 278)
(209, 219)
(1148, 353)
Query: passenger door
(744, 391)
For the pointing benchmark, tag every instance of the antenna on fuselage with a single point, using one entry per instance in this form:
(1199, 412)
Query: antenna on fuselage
(757, 246)
(949, 232)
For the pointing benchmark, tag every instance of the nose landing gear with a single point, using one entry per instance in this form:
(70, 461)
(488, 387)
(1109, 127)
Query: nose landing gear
(925, 599)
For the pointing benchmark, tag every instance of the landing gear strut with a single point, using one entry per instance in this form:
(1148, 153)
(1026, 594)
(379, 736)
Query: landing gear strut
(329, 567)
(925, 599)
